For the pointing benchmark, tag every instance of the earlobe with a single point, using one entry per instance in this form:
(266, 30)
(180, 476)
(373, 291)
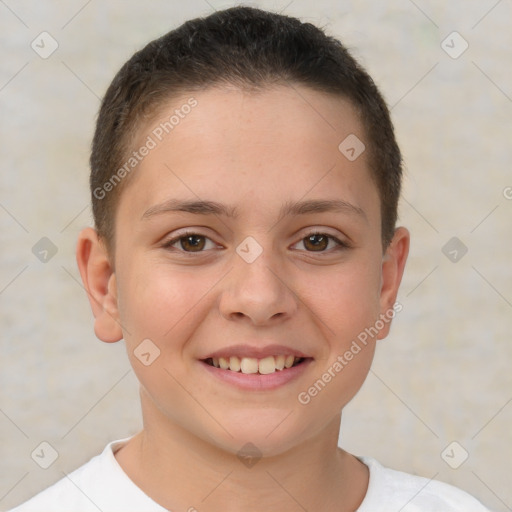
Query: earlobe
(99, 281)
(393, 265)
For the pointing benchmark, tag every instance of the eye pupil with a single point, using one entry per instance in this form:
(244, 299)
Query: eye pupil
(189, 240)
(316, 244)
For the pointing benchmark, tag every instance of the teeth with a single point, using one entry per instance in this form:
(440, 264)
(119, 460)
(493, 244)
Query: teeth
(234, 364)
(289, 361)
(249, 365)
(267, 365)
(252, 365)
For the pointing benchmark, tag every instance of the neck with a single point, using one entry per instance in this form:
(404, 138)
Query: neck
(181, 471)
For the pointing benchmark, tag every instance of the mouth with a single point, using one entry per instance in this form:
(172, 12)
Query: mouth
(252, 365)
(254, 374)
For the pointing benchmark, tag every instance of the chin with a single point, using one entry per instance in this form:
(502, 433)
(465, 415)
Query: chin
(264, 434)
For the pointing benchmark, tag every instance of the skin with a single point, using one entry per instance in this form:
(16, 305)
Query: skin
(255, 151)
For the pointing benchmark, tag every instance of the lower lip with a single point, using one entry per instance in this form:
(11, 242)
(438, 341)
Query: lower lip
(255, 381)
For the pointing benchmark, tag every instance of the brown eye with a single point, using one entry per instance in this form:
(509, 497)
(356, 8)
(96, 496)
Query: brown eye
(193, 243)
(189, 243)
(316, 242)
(319, 242)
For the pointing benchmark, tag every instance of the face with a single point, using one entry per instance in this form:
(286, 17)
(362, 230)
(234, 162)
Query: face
(287, 262)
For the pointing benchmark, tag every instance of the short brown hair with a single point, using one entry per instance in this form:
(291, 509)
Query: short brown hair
(251, 49)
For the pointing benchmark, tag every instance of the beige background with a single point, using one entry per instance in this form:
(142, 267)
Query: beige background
(443, 375)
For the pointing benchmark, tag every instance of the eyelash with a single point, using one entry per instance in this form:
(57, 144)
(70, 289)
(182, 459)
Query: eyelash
(169, 243)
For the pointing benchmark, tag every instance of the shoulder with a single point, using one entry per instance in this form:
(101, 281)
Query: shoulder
(389, 489)
(100, 484)
(70, 492)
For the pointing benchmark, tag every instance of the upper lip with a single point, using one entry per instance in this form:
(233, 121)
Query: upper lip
(256, 352)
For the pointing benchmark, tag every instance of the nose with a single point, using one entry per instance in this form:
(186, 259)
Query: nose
(257, 292)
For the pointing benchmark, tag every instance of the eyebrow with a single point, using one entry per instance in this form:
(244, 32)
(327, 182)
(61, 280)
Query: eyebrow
(205, 207)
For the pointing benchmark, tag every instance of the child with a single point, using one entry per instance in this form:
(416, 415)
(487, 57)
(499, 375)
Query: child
(245, 180)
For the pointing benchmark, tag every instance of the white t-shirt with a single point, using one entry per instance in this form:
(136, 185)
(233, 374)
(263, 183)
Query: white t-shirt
(101, 484)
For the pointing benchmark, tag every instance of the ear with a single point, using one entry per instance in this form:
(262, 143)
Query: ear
(100, 283)
(393, 264)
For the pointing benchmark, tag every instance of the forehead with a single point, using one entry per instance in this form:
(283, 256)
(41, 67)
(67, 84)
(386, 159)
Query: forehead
(225, 115)
(276, 144)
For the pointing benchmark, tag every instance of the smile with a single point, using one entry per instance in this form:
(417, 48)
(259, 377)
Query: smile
(245, 373)
(252, 365)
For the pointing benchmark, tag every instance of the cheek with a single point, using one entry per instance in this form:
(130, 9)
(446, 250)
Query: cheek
(347, 303)
(163, 306)
(160, 303)
(347, 299)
